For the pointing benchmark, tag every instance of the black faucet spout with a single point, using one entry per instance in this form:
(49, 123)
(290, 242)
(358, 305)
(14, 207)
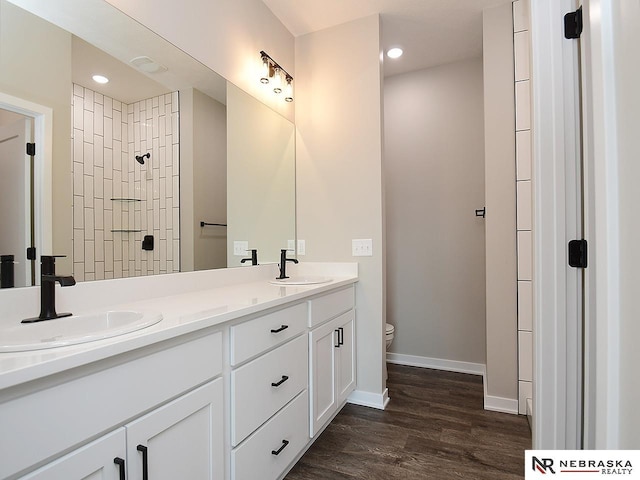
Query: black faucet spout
(283, 264)
(48, 281)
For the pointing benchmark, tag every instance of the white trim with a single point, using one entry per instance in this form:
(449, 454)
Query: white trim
(500, 404)
(437, 363)
(43, 170)
(555, 289)
(368, 399)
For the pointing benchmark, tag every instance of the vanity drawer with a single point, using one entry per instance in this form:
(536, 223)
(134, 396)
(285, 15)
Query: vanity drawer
(263, 386)
(255, 458)
(251, 338)
(330, 306)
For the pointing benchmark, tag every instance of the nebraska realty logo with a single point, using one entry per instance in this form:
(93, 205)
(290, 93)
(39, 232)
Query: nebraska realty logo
(582, 464)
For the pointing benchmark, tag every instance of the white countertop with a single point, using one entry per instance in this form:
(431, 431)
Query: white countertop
(183, 313)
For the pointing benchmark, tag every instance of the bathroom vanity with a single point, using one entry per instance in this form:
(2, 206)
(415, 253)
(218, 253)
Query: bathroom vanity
(235, 383)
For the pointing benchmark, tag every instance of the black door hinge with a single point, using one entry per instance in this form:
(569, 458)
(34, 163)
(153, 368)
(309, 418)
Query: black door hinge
(31, 253)
(31, 149)
(573, 24)
(578, 253)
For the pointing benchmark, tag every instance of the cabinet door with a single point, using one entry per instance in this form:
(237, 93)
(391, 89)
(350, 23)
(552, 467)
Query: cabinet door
(183, 439)
(94, 461)
(322, 343)
(345, 356)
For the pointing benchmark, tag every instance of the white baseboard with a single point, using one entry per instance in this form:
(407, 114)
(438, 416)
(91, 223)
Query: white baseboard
(436, 363)
(368, 399)
(500, 404)
(496, 404)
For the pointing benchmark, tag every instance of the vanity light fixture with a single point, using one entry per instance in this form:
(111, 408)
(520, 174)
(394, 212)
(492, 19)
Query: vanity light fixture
(276, 76)
(100, 79)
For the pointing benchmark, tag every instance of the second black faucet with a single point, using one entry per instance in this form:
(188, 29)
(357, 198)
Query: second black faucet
(283, 264)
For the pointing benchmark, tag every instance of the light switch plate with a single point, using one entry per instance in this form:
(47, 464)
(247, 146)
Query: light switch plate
(362, 247)
(291, 245)
(240, 248)
(302, 248)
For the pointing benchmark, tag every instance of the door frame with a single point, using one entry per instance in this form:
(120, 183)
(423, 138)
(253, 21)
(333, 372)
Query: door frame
(557, 289)
(43, 166)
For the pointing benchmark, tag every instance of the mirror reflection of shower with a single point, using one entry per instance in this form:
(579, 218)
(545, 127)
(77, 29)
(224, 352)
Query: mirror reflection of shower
(140, 158)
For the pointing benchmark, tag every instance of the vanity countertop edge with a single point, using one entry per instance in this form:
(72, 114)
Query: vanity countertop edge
(183, 313)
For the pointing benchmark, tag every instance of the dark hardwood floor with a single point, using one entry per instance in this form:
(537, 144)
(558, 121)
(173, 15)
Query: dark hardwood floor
(433, 428)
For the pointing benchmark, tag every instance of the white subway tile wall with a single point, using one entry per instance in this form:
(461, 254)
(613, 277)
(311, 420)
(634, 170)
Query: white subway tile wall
(522, 76)
(113, 192)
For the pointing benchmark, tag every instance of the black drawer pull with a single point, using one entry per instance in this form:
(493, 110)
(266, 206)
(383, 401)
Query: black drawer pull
(278, 330)
(277, 384)
(340, 336)
(282, 447)
(337, 345)
(120, 462)
(145, 463)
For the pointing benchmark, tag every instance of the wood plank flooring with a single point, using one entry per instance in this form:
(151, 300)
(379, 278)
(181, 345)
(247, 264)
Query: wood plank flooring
(435, 427)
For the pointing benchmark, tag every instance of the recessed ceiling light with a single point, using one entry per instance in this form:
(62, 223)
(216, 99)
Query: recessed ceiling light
(394, 52)
(100, 79)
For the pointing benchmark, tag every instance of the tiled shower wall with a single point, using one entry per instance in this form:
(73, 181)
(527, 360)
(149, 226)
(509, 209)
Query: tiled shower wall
(521, 41)
(117, 201)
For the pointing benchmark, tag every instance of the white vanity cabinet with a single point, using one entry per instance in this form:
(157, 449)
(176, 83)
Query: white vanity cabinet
(269, 399)
(164, 397)
(332, 355)
(182, 439)
(102, 459)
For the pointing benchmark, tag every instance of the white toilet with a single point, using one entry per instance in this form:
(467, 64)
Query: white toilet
(390, 330)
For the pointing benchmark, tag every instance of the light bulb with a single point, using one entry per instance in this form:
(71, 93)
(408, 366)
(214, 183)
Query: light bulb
(265, 70)
(288, 91)
(277, 80)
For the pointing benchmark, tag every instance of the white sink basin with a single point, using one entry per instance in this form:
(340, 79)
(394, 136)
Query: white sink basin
(302, 280)
(60, 332)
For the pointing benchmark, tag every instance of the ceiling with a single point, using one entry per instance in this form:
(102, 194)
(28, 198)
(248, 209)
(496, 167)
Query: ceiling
(431, 32)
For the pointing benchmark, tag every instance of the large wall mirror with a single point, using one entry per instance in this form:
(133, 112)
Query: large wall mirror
(165, 168)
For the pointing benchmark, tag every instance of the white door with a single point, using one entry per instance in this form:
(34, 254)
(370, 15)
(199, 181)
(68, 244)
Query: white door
(15, 197)
(183, 439)
(345, 363)
(323, 402)
(103, 459)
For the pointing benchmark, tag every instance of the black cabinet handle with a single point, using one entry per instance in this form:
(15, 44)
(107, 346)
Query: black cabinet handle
(278, 330)
(282, 447)
(145, 463)
(338, 339)
(120, 462)
(277, 384)
(340, 336)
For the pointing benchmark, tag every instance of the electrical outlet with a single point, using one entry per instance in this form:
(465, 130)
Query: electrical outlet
(240, 248)
(301, 247)
(362, 247)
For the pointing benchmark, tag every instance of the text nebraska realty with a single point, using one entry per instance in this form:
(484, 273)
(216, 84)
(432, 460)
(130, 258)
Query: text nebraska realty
(606, 467)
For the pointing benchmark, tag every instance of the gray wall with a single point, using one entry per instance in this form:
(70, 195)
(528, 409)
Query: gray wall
(209, 181)
(434, 158)
(339, 169)
(502, 328)
(44, 77)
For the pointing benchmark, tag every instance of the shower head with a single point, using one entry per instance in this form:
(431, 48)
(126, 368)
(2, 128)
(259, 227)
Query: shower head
(140, 158)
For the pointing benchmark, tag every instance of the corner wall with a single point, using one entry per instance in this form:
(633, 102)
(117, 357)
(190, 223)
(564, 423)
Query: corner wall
(501, 380)
(339, 172)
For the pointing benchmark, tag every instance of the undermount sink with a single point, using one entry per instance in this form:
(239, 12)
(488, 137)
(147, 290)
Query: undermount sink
(302, 280)
(73, 330)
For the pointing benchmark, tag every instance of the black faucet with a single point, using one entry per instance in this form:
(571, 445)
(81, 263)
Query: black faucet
(283, 264)
(48, 279)
(254, 257)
